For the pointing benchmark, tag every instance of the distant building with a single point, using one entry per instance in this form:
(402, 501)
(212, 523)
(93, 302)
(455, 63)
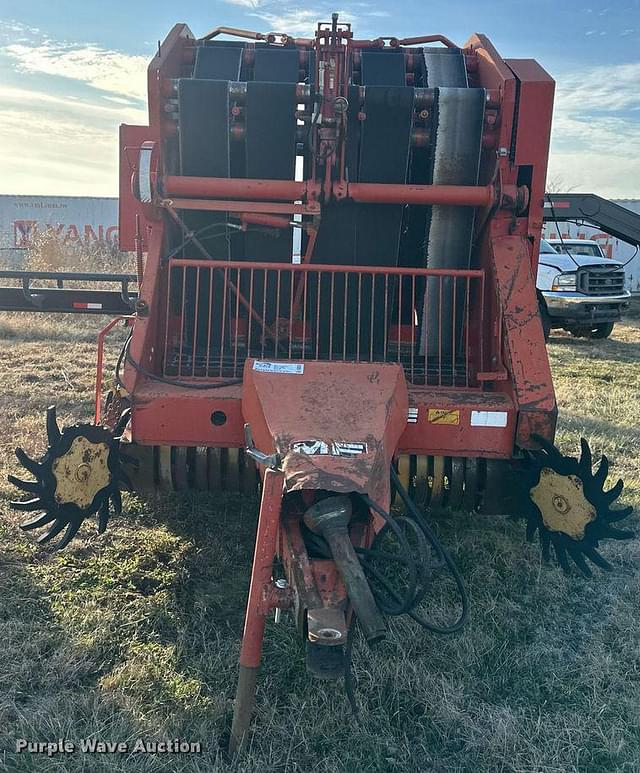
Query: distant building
(613, 248)
(74, 219)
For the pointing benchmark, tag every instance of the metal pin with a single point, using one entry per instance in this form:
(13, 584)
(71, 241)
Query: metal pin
(281, 584)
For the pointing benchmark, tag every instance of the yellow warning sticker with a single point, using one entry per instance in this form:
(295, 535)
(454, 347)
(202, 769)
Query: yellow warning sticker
(443, 416)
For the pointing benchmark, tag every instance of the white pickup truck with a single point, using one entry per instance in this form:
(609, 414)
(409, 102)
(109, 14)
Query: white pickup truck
(579, 289)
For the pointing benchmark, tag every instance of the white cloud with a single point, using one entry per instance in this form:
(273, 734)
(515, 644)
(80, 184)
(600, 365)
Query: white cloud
(17, 98)
(44, 154)
(245, 3)
(298, 22)
(596, 131)
(600, 88)
(60, 136)
(11, 27)
(104, 69)
(53, 144)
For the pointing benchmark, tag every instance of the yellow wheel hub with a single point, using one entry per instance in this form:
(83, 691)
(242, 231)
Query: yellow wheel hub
(562, 503)
(81, 473)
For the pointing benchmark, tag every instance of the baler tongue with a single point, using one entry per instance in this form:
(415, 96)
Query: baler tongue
(334, 425)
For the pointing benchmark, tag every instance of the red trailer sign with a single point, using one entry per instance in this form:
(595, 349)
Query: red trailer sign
(73, 219)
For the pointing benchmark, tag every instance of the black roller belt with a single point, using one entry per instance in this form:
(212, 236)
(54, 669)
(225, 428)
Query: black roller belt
(270, 155)
(438, 67)
(383, 68)
(221, 63)
(276, 65)
(311, 78)
(445, 67)
(385, 148)
(378, 150)
(458, 143)
(204, 152)
(335, 245)
(271, 130)
(204, 127)
(205, 148)
(384, 158)
(336, 239)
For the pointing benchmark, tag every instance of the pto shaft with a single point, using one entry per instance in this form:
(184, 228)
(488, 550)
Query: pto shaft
(330, 519)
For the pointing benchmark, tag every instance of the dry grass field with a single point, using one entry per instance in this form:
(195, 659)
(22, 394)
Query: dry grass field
(136, 633)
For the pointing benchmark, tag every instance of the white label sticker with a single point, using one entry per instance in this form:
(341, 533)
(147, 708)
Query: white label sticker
(488, 418)
(335, 448)
(278, 367)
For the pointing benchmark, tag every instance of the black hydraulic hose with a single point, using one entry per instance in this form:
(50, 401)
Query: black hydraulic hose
(125, 355)
(555, 220)
(407, 601)
(404, 603)
(583, 223)
(446, 557)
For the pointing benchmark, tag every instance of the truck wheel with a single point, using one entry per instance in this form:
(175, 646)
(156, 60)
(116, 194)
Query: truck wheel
(545, 319)
(580, 332)
(601, 331)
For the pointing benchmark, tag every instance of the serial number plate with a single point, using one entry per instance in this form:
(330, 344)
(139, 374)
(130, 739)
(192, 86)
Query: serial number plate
(278, 367)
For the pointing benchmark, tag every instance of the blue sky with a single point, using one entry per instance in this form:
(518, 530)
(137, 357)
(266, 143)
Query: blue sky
(71, 71)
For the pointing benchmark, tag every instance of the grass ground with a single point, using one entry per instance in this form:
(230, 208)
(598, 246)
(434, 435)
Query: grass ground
(136, 633)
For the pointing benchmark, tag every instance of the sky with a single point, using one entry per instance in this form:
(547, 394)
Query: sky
(72, 70)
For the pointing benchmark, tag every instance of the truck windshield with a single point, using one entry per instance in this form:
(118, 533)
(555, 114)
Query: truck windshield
(584, 248)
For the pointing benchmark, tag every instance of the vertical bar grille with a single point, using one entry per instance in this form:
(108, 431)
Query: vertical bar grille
(221, 313)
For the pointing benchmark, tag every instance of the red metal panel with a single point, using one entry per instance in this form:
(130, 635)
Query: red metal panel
(448, 422)
(131, 137)
(535, 109)
(145, 338)
(261, 571)
(347, 418)
(172, 415)
(167, 63)
(524, 340)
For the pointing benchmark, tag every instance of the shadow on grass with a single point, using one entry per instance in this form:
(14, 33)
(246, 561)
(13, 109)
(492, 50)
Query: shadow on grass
(586, 425)
(613, 350)
(93, 646)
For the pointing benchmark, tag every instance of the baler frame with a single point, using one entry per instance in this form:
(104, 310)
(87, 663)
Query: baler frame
(339, 399)
(505, 399)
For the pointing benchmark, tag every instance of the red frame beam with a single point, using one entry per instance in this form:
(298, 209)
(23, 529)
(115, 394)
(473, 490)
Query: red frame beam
(291, 190)
(457, 195)
(258, 605)
(232, 188)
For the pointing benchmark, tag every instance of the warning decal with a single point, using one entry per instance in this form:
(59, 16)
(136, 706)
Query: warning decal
(443, 416)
